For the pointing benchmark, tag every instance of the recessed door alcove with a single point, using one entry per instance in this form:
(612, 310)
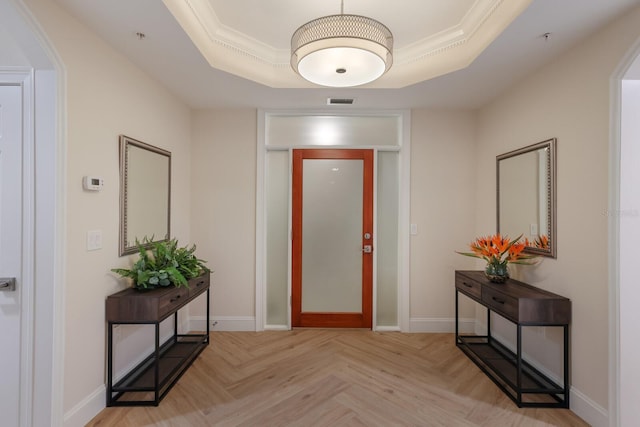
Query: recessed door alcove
(386, 134)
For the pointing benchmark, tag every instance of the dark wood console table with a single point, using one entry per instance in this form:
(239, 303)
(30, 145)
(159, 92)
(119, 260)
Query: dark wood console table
(523, 305)
(149, 382)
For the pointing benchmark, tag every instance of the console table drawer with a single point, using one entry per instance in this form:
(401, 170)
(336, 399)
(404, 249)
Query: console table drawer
(469, 287)
(518, 301)
(133, 306)
(197, 285)
(500, 303)
(171, 301)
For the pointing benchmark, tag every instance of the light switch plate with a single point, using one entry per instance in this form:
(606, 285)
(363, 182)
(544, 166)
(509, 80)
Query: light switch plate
(94, 240)
(414, 229)
(533, 230)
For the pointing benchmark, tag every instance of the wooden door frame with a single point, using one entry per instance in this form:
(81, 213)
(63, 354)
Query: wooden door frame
(344, 320)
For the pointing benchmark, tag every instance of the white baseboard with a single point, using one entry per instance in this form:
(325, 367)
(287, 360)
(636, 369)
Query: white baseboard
(91, 406)
(440, 325)
(86, 409)
(276, 328)
(387, 329)
(587, 409)
(223, 323)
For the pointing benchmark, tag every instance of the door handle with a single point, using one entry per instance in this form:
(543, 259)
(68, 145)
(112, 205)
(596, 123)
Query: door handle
(7, 284)
(367, 249)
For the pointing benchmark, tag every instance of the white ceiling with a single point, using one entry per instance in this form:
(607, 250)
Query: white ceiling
(247, 16)
(438, 37)
(168, 54)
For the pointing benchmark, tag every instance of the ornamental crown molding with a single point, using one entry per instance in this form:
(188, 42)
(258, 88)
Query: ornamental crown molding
(235, 52)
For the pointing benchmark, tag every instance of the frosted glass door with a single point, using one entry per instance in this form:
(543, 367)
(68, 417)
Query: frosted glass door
(332, 238)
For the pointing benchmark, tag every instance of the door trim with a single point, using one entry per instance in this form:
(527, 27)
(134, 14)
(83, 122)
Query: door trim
(614, 227)
(335, 319)
(24, 80)
(402, 146)
(47, 131)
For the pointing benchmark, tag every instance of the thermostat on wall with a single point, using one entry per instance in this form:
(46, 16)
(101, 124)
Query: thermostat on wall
(92, 183)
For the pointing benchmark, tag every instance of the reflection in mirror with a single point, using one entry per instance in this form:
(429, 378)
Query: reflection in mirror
(145, 193)
(526, 196)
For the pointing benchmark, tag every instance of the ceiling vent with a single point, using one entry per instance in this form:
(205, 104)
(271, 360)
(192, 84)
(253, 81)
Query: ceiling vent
(340, 101)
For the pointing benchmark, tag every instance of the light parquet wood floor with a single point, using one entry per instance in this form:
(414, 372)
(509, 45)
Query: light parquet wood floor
(310, 377)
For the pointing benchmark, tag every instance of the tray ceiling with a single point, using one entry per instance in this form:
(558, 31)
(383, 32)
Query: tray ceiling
(250, 38)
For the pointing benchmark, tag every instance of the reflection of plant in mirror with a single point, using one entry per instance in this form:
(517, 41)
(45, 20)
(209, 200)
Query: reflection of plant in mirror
(163, 264)
(540, 242)
(499, 251)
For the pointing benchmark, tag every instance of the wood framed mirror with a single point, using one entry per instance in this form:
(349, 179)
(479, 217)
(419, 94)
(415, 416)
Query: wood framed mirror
(145, 194)
(526, 196)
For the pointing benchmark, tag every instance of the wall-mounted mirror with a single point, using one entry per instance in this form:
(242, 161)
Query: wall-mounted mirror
(145, 193)
(526, 187)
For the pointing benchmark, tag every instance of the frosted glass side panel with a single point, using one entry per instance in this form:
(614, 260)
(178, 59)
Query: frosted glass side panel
(353, 131)
(277, 224)
(387, 247)
(331, 235)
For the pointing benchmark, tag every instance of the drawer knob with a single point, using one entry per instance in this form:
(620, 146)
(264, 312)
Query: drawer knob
(499, 301)
(200, 283)
(175, 299)
(467, 285)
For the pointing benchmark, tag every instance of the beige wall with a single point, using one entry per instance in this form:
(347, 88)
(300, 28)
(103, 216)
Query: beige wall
(567, 99)
(223, 208)
(443, 187)
(223, 215)
(106, 96)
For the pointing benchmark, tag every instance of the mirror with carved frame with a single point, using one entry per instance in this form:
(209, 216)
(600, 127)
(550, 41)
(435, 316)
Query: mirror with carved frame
(145, 194)
(526, 196)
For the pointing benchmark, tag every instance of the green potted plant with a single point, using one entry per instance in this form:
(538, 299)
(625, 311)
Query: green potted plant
(163, 264)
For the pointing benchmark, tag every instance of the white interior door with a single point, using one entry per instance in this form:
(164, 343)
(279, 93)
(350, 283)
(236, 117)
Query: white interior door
(10, 252)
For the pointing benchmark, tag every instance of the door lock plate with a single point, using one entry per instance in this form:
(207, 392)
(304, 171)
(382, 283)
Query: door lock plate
(7, 284)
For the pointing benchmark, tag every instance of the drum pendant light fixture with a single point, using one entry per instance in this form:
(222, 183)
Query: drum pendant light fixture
(342, 50)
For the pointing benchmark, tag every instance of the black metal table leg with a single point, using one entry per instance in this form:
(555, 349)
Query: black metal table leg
(456, 317)
(208, 302)
(566, 365)
(519, 365)
(156, 379)
(109, 362)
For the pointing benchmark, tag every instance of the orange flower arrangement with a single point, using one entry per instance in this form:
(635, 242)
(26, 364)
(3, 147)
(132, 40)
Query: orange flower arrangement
(499, 251)
(541, 242)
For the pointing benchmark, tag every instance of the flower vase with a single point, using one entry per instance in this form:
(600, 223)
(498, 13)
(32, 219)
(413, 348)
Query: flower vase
(497, 272)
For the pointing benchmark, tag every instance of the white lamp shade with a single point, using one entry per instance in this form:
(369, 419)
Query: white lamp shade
(341, 50)
(341, 67)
